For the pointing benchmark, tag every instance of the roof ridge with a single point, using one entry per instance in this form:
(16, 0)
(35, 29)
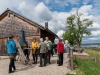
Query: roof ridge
(24, 18)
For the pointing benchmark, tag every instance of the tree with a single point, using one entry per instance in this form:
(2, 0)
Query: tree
(76, 28)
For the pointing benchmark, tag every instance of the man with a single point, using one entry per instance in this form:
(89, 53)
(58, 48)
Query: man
(43, 50)
(49, 44)
(11, 49)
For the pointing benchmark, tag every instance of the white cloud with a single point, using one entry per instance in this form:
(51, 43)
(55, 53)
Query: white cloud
(93, 39)
(56, 20)
(95, 25)
(43, 12)
(85, 9)
(24, 8)
(39, 12)
(95, 33)
(60, 33)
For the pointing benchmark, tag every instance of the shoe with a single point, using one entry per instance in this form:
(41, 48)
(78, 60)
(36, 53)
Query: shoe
(11, 71)
(33, 63)
(49, 62)
(14, 69)
(40, 66)
(44, 65)
(59, 65)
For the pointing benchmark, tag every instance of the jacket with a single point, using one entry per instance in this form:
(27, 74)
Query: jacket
(60, 47)
(66, 48)
(43, 47)
(11, 46)
(49, 44)
(34, 46)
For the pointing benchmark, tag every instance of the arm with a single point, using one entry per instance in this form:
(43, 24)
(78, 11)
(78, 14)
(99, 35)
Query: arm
(13, 47)
(58, 47)
(32, 45)
(37, 44)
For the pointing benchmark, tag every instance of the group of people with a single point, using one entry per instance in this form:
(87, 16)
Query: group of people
(63, 49)
(43, 48)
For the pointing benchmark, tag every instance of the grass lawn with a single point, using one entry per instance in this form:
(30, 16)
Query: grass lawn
(87, 66)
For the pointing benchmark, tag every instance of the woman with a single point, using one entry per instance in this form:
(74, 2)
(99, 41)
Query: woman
(60, 49)
(66, 53)
(11, 49)
(34, 48)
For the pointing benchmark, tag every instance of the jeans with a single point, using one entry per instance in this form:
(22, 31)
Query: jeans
(60, 58)
(11, 65)
(48, 56)
(35, 57)
(42, 56)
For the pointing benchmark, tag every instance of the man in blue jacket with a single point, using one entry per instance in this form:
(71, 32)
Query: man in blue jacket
(11, 49)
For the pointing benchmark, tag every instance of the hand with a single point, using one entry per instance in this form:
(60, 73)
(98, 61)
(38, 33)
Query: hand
(58, 53)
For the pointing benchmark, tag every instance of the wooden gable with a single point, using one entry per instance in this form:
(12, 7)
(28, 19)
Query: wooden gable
(11, 24)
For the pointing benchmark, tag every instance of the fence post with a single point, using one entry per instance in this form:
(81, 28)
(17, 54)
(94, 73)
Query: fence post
(96, 58)
(71, 59)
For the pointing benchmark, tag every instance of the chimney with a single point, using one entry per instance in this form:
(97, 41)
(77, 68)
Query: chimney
(46, 25)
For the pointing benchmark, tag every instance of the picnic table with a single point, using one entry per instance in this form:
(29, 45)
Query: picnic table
(27, 48)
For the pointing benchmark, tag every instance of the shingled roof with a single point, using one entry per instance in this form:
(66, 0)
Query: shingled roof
(5, 13)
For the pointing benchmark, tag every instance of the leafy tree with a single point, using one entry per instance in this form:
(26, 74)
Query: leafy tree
(76, 28)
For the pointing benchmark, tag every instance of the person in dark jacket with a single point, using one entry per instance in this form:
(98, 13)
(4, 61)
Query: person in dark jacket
(11, 49)
(26, 53)
(60, 49)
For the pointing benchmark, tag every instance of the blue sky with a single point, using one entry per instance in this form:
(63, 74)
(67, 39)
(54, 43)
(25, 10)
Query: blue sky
(56, 12)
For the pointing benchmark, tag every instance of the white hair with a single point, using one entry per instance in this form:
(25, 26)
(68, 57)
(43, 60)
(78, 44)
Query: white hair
(41, 39)
(66, 41)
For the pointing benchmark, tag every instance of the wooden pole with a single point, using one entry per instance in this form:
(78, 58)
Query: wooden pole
(96, 58)
(71, 59)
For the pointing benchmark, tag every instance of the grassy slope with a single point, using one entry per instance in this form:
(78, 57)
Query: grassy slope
(87, 67)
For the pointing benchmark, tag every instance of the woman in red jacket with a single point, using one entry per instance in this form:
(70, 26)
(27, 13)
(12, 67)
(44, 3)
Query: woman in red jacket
(60, 49)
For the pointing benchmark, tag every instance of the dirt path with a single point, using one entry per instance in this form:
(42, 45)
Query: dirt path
(50, 69)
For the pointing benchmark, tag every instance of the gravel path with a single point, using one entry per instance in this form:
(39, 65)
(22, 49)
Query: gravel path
(50, 69)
